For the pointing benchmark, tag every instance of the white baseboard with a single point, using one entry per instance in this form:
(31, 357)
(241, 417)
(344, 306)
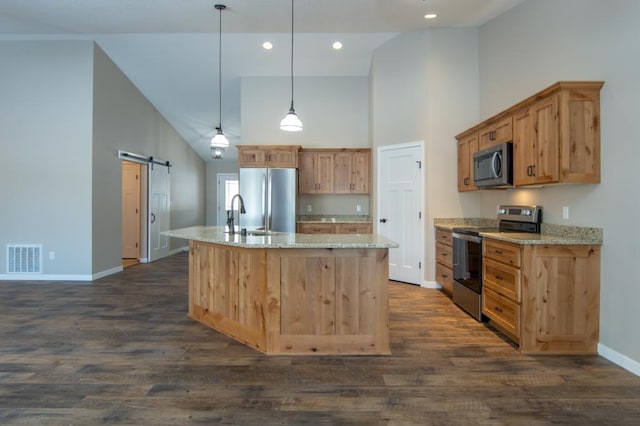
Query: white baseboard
(107, 272)
(430, 284)
(619, 359)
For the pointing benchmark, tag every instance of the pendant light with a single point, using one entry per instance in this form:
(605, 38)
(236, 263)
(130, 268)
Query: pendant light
(219, 142)
(291, 122)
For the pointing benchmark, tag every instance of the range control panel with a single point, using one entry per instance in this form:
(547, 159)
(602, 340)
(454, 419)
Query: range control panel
(531, 214)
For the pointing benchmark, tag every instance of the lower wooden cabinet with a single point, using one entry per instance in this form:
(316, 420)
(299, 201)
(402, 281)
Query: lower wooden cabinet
(546, 298)
(335, 228)
(444, 260)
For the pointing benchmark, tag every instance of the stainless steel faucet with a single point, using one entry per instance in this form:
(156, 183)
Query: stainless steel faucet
(231, 218)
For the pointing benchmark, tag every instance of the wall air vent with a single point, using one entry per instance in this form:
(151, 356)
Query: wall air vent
(24, 258)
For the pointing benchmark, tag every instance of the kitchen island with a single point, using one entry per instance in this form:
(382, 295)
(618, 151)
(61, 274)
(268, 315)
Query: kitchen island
(285, 293)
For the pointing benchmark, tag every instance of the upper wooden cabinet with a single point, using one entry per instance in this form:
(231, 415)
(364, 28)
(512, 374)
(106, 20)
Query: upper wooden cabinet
(557, 139)
(496, 132)
(334, 171)
(555, 133)
(467, 146)
(274, 156)
(315, 174)
(352, 172)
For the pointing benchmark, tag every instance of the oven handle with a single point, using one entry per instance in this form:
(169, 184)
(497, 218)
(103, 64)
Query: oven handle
(472, 238)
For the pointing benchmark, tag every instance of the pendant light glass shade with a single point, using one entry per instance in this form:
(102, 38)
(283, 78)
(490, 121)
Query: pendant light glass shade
(291, 122)
(219, 142)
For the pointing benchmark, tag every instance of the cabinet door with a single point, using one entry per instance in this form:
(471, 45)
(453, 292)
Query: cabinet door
(523, 155)
(561, 298)
(545, 141)
(361, 175)
(283, 158)
(495, 133)
(307, 172)
(467, 146)
(343, 168)
(252, 157)
(324, 173)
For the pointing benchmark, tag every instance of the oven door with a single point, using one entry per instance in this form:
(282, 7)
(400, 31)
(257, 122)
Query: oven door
(467, 273)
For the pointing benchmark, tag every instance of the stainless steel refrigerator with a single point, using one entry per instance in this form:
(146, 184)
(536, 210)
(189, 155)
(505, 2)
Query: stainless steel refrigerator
(269, 198)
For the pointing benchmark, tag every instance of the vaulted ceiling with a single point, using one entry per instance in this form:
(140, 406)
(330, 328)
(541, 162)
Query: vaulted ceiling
(169, 48)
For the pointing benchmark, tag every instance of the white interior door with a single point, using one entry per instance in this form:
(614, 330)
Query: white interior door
(159, 211)
(400, 208)
(130, 210)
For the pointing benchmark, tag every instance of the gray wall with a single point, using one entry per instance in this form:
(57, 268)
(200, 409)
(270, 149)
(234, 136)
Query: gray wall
(424, 88)
(124, 119)
(65, 110)
(580, 40)
(45, 159)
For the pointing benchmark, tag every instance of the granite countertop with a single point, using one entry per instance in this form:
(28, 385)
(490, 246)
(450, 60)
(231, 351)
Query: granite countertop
(550, 234)
(217, 235)
(334, 219)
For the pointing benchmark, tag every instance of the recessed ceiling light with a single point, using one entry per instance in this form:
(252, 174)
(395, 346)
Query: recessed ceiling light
(267, 45)
(430, 16)
(337, 45)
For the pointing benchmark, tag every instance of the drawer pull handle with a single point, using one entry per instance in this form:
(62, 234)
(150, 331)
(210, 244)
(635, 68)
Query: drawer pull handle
(445, 276)
(498, 309)
(499, 277)
(498, 251)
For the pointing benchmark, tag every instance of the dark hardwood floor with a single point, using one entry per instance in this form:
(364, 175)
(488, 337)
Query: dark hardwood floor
(122, 350)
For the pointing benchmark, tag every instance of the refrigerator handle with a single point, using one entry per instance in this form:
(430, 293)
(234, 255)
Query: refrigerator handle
(269, 193)
(264, 201)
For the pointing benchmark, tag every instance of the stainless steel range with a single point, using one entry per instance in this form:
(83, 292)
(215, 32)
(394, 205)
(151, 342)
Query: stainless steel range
(467, 253)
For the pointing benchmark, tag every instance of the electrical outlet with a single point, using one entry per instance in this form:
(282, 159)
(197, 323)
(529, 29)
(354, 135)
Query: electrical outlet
(309, 208)
(565, 212)
(358, 208)
(52, 255)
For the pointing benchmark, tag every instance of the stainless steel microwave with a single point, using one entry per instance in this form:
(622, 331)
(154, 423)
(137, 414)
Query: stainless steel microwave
(493, 166)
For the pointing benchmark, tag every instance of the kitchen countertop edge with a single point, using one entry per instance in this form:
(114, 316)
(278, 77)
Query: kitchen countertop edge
(550, 234)
(217, 235)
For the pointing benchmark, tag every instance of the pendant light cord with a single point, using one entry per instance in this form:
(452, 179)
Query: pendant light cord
(220, 70)
(292, 54)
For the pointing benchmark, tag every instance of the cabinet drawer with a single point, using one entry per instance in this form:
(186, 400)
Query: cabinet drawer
(501, 251)
(501, 278)
(443, 236)
(319, 228)
(353, 228)
(444, 255)
(502, 311)
(444, 277)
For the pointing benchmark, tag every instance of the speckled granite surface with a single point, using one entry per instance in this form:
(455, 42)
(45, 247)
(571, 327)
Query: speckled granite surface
(217, 235)
(450, 223)
(342, 218)
(549, 233)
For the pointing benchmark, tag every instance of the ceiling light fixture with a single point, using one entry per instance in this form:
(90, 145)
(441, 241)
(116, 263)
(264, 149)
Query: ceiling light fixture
(430, 16)
(291, 122)
(267, 45)
(219, 142)
(337, 45)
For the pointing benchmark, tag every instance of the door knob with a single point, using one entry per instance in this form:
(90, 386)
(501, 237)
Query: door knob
(383, 220)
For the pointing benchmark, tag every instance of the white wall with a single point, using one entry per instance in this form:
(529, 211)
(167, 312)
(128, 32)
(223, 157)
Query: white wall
(334, 111)
(544, 41)
(45, 159)
(424, 87)
(213, 168)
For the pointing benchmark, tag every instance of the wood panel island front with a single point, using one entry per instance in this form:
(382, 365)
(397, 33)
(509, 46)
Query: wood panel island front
(296, 294)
